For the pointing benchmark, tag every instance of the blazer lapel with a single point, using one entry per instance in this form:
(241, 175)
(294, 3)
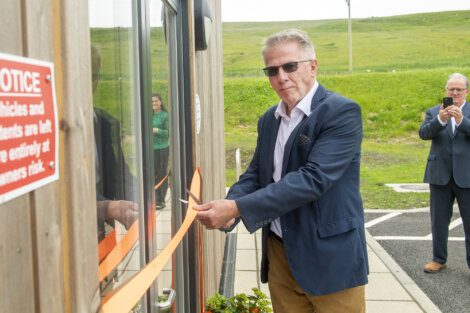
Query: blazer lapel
(98, 152)
(272, 130)
(318, 96)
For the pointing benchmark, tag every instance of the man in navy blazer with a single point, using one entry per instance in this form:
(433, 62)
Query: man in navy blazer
(302, 188)
(448, 167)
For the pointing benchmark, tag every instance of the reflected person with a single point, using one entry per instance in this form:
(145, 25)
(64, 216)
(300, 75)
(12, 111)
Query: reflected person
(161, 148)
(113, 178)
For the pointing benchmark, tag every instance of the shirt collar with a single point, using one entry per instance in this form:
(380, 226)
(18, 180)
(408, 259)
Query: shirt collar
(304, 104)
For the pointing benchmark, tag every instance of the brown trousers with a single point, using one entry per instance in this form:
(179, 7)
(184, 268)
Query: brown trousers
(288, 297)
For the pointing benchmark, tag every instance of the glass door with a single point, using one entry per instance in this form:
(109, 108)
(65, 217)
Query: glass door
(170, 101)
(140, 145)
(166, 153)
(117, 143)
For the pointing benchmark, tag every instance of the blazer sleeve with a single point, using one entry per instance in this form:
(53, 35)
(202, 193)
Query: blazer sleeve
(337, 144)
(431, 125)
(464, 126)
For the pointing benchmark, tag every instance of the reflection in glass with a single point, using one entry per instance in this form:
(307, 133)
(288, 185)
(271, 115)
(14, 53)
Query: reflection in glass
(115, 136)
(161, 149)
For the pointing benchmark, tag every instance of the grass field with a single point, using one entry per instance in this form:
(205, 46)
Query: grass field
(418, 41)
(400, 66)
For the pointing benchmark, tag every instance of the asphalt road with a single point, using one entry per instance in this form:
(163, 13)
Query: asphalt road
(405, 235)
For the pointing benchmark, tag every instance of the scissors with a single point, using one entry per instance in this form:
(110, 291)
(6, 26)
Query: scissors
(196, 199)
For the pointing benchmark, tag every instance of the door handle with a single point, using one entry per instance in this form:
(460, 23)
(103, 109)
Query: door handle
(168, 303)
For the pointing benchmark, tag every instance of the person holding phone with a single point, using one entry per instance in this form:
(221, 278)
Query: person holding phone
(447, 125)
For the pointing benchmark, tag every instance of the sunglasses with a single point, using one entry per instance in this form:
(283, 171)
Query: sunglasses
(290, 67)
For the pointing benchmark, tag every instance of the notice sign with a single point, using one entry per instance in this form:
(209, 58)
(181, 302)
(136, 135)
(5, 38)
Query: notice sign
(28, 126)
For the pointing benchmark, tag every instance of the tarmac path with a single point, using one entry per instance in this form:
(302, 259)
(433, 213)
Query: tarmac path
(406, 236)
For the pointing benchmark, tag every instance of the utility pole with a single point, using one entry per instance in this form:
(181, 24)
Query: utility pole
(348, 2)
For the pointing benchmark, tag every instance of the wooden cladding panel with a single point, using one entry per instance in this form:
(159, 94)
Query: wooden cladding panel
(16, 257)
(16, 248)
(210, 141)
(48, 247)
(10, 22)
(77, 185)
(45, 208)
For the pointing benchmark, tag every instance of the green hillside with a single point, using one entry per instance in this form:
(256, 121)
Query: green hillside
(418, 41)
(400, 66)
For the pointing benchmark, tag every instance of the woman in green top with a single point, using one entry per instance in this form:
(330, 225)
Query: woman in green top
(161, 147)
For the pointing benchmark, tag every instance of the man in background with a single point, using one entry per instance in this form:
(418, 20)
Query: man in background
(302, 188)
(448, 167)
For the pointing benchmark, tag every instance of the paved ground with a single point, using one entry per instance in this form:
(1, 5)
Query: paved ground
(405, 235)
(390, 289)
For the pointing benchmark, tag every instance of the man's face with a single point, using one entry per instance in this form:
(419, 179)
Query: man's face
(457, 89)
(291, 87)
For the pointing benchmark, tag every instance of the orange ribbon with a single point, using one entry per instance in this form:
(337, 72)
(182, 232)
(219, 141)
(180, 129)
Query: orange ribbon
(125, 298)
(119, 251)
(106, 245)
(160, 183)
(115, 253)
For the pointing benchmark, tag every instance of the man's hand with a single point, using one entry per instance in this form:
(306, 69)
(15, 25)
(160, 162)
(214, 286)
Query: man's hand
(217, 214)
(456, 112)
(444, 113)
(125, 212)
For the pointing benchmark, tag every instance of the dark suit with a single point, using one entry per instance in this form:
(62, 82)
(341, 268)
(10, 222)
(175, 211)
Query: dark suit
(448, 174)
(317, 199)
(114, 179)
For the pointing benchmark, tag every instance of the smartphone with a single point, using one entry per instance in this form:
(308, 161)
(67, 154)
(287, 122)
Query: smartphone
(447, 101)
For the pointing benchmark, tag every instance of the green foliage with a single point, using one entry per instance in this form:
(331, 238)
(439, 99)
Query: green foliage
(401, 64)
(393, 104)
(401, 160)
(407, 42)
(240, 303)
(395, 161)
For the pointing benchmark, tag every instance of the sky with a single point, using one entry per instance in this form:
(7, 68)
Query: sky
(291, 10)
(111, 13)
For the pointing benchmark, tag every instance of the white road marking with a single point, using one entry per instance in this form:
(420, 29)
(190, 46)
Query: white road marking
(415, 238)
(452, 225)
(415, 210)
(455, 223)
(381, 219)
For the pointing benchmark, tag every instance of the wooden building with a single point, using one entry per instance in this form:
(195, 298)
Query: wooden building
(109, 58)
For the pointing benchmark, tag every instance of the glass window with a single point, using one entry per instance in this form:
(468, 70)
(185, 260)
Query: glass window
(163, 124)
(115, 138)
(119, 153)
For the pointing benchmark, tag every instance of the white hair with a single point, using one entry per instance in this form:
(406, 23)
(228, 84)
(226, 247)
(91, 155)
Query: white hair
(458, 75)
(290, 35)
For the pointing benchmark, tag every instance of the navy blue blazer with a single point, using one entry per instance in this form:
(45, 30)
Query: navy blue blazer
(450, 151)
(317, 199)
